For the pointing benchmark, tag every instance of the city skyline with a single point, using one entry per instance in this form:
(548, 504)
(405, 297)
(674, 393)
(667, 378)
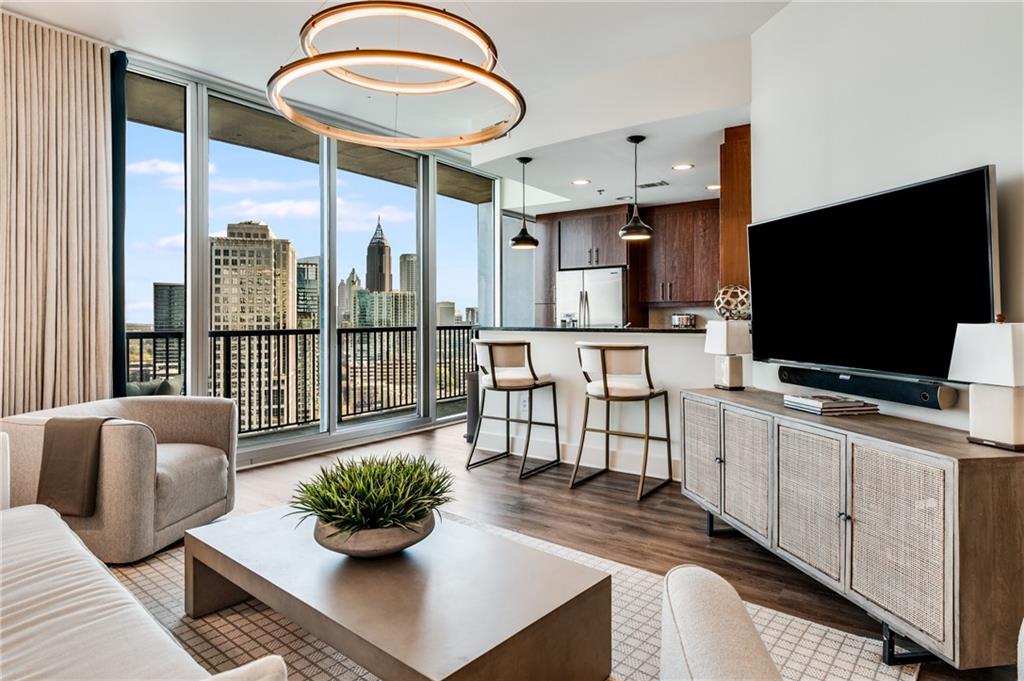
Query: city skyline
(283, 192)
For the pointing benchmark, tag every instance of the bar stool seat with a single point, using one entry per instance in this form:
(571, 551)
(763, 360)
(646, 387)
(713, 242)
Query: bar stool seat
(507, 366)
(514, 377)
(620, 372)
(618, 387)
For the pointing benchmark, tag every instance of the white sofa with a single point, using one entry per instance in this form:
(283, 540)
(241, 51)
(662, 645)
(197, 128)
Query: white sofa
(706, 633)
(63, 615)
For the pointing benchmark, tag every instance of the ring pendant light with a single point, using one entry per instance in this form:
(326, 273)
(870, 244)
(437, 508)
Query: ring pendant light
(362, 10)
(326, 60)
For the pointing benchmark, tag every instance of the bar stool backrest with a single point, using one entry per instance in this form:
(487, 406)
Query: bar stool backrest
(492, 356)
(621, 360)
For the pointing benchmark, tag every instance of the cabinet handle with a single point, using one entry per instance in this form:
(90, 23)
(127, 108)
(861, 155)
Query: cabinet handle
(840, 515)
(597, 256)
(670, 290)
(590, 256)
(845, 517)
(719, 460)
(663, 290)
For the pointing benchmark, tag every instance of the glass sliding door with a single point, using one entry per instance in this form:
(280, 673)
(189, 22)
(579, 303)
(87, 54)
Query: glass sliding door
(265, 267)
(378, 285)
(155, 229)
(465, 278)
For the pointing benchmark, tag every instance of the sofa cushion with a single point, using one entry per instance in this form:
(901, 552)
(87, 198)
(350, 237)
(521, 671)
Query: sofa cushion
(189, 478)
(64, 616)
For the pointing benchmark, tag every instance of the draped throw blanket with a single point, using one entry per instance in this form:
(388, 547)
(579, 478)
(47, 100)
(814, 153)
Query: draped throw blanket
(55, 222)
(71, 464)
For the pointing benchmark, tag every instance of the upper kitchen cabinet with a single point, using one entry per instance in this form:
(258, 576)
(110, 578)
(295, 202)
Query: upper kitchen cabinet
(734, 171)
(590, 238)
(679, 264)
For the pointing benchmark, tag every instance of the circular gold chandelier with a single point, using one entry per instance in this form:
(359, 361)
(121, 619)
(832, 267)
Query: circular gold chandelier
(339, 64)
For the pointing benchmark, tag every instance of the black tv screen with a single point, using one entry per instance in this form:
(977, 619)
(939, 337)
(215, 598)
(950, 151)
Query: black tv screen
(877, 283)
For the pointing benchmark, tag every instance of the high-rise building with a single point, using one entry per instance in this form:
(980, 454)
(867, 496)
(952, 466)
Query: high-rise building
(472, 314)
(445, 313)
(168, 307)
(408, 272)
(307, 293)
(254, 288)
(253, 279)
(346, 291)
(383, 308)
(378, 261)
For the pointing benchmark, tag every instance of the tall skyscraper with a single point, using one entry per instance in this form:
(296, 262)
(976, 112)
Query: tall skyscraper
(408, 272)
(378, 261)
(168, 307)
(253, 279)
(307, 293)
(472, 314)
(445, 313)
(346, 292)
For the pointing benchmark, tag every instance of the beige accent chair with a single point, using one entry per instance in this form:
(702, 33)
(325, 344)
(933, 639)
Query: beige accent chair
(706, 632)
(64, 616)
(167, 464)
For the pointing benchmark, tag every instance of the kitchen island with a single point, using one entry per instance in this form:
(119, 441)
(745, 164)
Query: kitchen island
(677, 362)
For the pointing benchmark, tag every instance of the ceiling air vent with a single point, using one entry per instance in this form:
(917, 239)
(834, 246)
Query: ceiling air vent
(652, 185)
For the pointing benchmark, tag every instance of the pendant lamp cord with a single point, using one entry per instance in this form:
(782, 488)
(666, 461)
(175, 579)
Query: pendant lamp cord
(636, 199)
(524, 194)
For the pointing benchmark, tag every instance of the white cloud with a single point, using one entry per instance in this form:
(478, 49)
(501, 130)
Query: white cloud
(174, 241)
(285, 208)
(155, 166)
(354, 216)
(244, 185)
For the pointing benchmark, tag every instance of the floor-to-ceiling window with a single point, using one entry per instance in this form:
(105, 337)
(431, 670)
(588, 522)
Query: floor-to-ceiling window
(238, 246)
(264, 248)
(378, 285)
(154, 277)
(465, 276)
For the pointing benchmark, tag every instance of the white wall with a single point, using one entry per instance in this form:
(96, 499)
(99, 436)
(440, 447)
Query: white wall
(849, 99)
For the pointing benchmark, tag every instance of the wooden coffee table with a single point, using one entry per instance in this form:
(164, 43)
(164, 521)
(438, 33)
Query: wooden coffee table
(461, 604)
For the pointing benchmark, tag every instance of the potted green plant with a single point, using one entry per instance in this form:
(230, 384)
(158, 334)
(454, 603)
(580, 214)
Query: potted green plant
(373, 506)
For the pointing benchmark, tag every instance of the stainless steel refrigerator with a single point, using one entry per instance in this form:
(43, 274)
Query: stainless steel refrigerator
(591, 297)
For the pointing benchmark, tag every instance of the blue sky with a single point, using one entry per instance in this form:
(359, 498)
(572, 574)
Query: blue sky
(283, 192)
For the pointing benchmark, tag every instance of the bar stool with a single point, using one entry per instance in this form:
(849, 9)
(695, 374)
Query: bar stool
(619, 372)
(507, 366)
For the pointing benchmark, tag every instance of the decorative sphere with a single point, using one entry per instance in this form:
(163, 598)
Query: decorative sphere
(733, 302)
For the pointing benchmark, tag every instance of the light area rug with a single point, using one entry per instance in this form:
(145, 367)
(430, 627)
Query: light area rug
(241, 633)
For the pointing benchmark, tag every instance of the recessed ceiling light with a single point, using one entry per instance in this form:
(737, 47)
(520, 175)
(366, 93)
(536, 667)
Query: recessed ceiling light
(580, 183)
(683, 166)
(712, 187)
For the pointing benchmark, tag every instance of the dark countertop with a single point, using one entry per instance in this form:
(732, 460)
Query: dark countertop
(588, 329)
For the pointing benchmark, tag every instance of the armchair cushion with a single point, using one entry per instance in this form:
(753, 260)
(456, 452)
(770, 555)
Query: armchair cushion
(188, 476)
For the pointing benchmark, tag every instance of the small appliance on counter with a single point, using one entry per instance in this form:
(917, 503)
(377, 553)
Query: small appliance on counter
(684, 321)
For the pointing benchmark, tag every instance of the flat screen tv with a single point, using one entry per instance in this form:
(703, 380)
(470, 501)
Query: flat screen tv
(877, 284)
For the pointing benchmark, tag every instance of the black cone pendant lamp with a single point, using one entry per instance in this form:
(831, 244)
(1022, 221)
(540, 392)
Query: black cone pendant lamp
(636, 229)
(524, 239)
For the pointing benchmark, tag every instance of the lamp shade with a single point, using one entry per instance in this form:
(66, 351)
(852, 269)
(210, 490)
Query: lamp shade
(992, 354)
(727, 337)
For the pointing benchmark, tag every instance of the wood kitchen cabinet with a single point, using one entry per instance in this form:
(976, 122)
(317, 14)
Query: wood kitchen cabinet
(679, 264)
(590, 238)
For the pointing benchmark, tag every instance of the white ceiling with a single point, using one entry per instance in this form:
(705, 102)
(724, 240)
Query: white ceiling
(590, 72)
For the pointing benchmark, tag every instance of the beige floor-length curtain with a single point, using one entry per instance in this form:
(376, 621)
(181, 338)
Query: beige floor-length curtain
(55, 220)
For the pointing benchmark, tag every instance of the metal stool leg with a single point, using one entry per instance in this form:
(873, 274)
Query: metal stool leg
(668, 438)
(583, 438)
(523, 473)
(576, 481)
(647, 443)
(640, 493)
(470, 464)
(607, 435)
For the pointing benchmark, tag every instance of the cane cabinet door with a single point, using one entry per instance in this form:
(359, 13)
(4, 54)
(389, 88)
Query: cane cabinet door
(702, 471)
(746, 450)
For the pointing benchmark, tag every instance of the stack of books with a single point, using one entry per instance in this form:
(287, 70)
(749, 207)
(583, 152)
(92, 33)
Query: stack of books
(829, 405)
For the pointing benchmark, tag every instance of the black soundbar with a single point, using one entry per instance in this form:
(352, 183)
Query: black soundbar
(917, 393)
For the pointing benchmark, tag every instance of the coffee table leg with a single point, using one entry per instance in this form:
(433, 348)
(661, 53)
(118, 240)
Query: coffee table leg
(207, 591)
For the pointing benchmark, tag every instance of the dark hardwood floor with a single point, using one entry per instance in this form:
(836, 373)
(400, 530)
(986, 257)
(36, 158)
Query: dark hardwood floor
(601, 518)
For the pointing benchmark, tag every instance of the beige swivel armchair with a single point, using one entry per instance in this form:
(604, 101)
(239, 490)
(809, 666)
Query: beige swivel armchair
(167, 464)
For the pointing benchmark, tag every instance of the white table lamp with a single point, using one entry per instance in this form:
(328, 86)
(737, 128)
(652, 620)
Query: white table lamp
(728, 340)
(991, 358)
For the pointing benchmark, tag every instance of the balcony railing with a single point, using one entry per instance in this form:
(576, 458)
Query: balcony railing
(274, 375)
